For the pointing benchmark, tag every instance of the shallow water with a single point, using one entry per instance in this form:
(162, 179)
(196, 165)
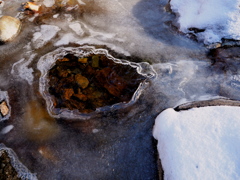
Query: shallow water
(117, 144)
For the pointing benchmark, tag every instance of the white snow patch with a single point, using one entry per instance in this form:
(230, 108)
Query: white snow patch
(200, 143)
(220, 19)
(46, 33)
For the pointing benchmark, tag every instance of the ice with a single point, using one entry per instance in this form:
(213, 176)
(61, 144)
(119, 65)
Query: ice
(22, 69)
(200, 143)
(7, 129)
(219, 22)
(66, 39)
(46, 33)
(76, 27)
(118, 144)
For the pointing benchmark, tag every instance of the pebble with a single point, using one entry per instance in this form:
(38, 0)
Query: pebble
(4, 108)
(82, 81)
(9, 28)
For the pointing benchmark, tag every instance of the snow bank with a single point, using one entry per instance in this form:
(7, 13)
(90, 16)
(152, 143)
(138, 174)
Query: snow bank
(201, 143)
(219, 19)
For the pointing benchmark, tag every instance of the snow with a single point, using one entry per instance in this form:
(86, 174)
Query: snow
(200, 143)
(220, 19)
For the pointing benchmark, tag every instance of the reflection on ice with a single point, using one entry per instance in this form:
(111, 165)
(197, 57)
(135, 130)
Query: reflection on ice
(187, 80)
(38, 125)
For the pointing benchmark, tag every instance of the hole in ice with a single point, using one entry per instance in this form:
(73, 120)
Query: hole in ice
(83, 81)
(87, 83)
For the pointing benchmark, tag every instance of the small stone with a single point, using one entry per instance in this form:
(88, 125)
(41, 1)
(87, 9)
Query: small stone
(95, 61)
(63, 60)
(32, 6)
(83, 60)
(9, 28)
(4, 108)
(68, 93)
(63, 73)
(82, 81)
(111, 81)
(81, 97)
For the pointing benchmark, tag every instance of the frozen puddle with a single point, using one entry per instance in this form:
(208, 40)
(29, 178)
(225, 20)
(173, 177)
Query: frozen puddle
(200, 143)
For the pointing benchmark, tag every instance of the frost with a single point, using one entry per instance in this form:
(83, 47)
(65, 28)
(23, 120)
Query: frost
(22, 69)
(46, 33)
(66, 39)
(76, 27)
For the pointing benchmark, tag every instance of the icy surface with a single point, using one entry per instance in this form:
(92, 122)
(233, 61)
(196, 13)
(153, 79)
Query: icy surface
(117, 145)
(200, 143)
(22, 69)
(219, 19)
(7, 129)
(46, 33)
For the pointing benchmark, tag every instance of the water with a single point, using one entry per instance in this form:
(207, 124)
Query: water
(119, 143)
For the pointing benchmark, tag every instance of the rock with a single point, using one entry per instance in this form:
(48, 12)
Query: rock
(82, 81)
(68, 93)
(4, 108)
(95, 61)
(82, 97)
(32, 6)
(111, 81)
(225, 52)
(63, 60)
(9, 28)
(83, 60)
